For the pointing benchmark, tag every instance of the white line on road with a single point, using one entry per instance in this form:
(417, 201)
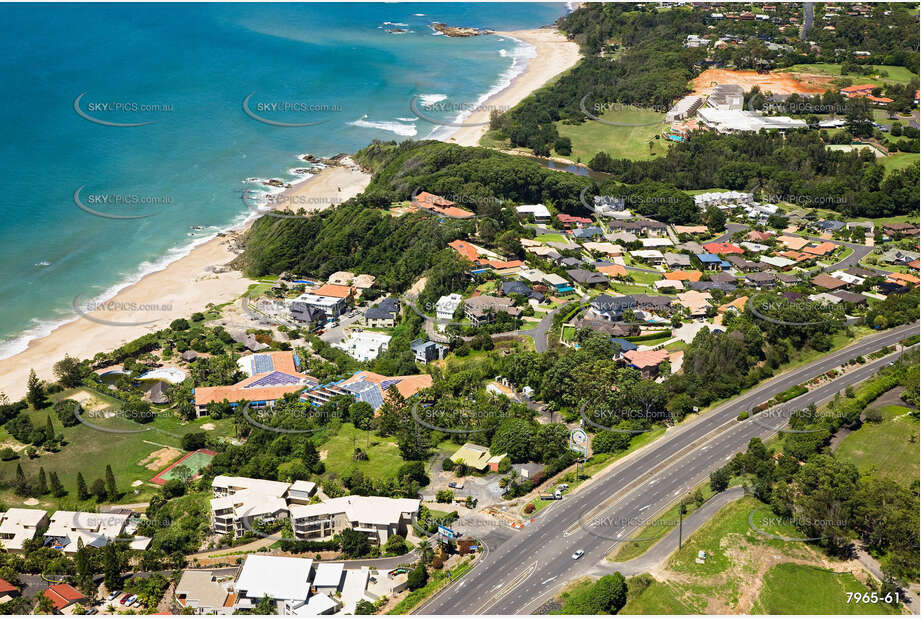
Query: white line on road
(547, 581)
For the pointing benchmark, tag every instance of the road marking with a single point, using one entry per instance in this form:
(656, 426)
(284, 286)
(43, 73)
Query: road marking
(645, 507)
(547, 581)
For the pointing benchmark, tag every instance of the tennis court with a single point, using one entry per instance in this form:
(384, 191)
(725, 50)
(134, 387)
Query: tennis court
(194, 461)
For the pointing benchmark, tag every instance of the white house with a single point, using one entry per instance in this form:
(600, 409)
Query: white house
(375, 516)
(20, 525)
(364, 345)
(447, 305)
(538, 212)
(240, 501)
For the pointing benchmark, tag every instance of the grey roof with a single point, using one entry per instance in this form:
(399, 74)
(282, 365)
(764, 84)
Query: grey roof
(189, 355)
(604, 302)
(649, 300)
(850, 297)
(706, 286)
(587, 232)
(677, 259)
(722, 277)
(388, 308)
(691, 247)
(640, 224)
(580, 275)
(302, 312)
(569, 261)
(761, 277)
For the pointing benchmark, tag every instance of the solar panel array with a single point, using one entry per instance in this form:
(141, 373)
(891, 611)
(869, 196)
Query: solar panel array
(367, 392)
(276, 378)
(262, 363)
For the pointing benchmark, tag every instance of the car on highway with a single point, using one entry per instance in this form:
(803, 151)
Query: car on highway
(579, 553)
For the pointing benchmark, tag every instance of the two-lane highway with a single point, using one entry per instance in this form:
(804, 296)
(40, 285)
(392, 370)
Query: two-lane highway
(523, 570)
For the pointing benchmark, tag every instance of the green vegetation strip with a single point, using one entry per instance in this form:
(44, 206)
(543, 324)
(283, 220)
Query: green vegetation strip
(437, 581)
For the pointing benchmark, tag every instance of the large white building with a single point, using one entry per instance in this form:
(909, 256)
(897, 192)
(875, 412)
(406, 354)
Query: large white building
(67, 528)
(240, 501)
(730, 120)
(447, 305)
(364, 345)
(375, 516)
(20, 525)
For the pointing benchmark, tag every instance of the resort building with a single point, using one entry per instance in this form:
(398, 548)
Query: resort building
(686, 106)
(270, 377)
(369, 387)
(364, 345)
(375, 516)
(67, 528)
(20, 525)
(286, 581)
(477, 457)
(238, 502)
(726, 97)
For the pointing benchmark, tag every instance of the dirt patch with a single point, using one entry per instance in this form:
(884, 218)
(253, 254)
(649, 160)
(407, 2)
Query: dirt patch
(30, 501)
(160, 458)
(88, 401)
(323, 455)
(775, 83)
(208, 426)
(137, 483)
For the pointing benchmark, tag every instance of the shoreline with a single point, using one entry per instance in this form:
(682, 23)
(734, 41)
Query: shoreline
(556, 55)
(189, 283)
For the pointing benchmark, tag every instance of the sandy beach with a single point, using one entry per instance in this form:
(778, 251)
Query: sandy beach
(554, 55)
(190, 283)
(182, 288)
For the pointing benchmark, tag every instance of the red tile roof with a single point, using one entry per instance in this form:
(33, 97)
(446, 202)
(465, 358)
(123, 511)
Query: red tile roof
(333, 290)
(62, 595)
(821, 249)
(646, 358)
(684, 275)
(7, 588)
(722, 248)
(564, 218)
(439, 205)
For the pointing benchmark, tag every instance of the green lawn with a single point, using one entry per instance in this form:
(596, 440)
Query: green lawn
(733, 549)
(550, 238)
(884, 449)
(642, 277)
(592, 137)
(89, 451)
(900, 160)
(802, 589)
(383, 455)
(896, 74)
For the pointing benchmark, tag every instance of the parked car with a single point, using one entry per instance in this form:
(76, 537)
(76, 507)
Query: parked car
(114, 595)
(579, 553)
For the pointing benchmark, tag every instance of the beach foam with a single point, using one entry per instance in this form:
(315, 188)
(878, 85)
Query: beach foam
(406, 130)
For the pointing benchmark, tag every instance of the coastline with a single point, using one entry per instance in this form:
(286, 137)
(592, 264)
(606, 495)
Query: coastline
(189, 283)
(556, 55)
(177, 290)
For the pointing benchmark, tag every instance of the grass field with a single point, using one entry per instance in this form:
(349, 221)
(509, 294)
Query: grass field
(883, 449)
(591, 137)
(801, 589)
(896, 74)
(550, 238)
(383, 455)
(746, 572)
(133, 456)
(900, 160)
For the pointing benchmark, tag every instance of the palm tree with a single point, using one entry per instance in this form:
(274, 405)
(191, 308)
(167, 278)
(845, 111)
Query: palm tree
(426, 553)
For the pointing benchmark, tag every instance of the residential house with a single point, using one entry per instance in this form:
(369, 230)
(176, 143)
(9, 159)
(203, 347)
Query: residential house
(899, 256)
(483, 309)
(677, 260)
(63, 596)
(559, 284)
(723, 248)
(710, 261)
(647, 361)
(742, 264)
(754, 247)
(722, 277)
(683, 275)
(611, 270)
(650, 256)
(520, 288)
(570, 220)
(615, 329)
(900, 230)
(779, 263)
(764, 279)
(609, 249)
(477, 457)
(821, 249)
(427, 351)
(648, 227)
(536, 212)
(624, 346)
(825, 281)
(697, 303)
(364, 345)
(440, 206)
(67, 529)
(309, 314)
(446, 306)
(587, 277)
(851, 298)
(591, 231)
(652, 243)
(611, 308)
(383, 315)
(794, 243)
(284, 580)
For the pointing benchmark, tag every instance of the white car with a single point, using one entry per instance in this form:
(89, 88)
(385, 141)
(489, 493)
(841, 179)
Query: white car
(579, 553)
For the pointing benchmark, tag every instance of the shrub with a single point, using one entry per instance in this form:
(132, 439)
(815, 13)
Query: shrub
(447, 465)
(529, 508)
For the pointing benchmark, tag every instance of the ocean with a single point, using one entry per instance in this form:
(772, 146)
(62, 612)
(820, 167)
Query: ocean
(137, 111)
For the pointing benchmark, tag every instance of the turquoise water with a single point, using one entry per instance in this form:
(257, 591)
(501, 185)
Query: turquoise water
(186, 69)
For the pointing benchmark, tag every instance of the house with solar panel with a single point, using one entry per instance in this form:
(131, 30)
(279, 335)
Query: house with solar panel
(270, 376)
(367, 386)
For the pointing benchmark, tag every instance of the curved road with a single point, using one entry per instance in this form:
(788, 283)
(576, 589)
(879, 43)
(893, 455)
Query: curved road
(521, 573)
